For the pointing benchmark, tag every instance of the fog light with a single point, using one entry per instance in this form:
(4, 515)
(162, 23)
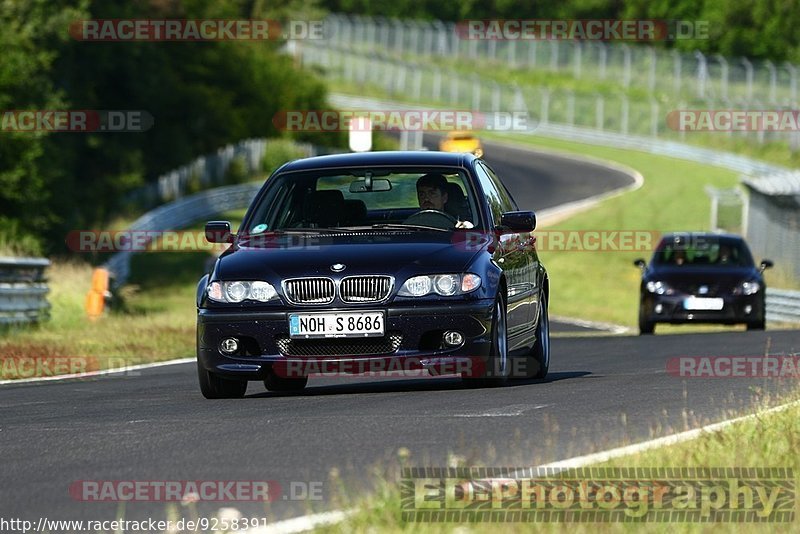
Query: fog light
(748, 309)
(453, 338)
(229, 345)
(659, 308)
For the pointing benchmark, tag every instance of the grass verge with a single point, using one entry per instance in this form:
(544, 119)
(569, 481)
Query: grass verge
(771, 441)
(155, 320)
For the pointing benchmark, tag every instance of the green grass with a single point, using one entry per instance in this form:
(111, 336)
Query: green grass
(771, 441)
(153, 320)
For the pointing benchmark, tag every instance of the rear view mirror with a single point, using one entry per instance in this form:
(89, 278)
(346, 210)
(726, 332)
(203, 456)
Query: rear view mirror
(219, 232)
(640, 263)
(766, 264)
(375, 184)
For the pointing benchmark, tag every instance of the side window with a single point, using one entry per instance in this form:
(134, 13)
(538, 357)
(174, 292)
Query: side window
(493, 196)
(507, 201)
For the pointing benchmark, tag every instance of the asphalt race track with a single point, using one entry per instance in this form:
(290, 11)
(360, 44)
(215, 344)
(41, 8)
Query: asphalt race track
(154, 425)
(602, 392)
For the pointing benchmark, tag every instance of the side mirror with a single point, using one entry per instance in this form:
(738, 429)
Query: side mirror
(219, 232)
(519, 221)
(640, 263)
(765, 264)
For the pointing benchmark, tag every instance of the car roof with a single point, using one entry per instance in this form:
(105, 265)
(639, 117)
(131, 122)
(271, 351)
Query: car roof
(418, 158)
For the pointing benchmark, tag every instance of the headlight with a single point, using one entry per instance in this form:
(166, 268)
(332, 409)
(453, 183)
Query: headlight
(237, 291)
(441, 284)
(659, 288)
(747, 288)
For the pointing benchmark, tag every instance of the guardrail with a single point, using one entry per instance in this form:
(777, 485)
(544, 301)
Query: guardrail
(179, 214)
(783, 305)
(23, 290)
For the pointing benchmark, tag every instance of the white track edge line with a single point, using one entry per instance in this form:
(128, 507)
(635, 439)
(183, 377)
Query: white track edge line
(101, 372)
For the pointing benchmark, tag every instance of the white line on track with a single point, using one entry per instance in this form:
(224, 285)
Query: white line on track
(93, 374)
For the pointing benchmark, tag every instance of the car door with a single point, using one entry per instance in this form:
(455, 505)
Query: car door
(510, 254)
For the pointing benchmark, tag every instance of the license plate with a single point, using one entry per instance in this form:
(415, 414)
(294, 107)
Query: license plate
(361, 324)
(703, 303)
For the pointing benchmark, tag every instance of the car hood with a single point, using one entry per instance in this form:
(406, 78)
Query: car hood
(401, 254)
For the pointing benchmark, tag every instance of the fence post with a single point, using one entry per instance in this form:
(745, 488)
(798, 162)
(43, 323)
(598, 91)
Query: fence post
(599, 113)
(677, 72)
(626, 76)
(625, 113)
(553, 54)
(748, 67)
(654, 117)
(603, 59)
(437, 85)
(702, 73)
(773, 80)
(476, 93)
(417, 90)
(792, 80)
(495, 96)
(723, 65)
(545, 107)
(571, 108)
(651, 79)
(577, 49)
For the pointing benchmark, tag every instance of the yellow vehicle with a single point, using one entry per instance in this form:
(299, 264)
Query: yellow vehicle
(461, 141)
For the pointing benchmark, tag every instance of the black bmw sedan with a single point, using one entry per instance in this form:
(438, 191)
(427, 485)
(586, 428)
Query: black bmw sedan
(702, 278)
(375, 262)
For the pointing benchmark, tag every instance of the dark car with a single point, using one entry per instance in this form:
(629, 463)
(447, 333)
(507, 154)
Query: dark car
(337, 269)
(702, 278)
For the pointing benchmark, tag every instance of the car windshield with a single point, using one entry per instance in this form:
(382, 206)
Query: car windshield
(348, 198)
(703, 251)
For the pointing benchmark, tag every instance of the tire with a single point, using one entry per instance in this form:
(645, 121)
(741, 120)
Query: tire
(213, 386)
(537, 363)
(498, 365)
(274, 382)
(758, 325)
(645, 327)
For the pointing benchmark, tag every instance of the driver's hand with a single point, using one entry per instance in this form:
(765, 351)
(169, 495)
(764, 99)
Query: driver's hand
(464, 224)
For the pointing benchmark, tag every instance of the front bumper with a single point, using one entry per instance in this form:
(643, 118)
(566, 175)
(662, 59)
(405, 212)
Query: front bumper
(735, 309)
(415, 344)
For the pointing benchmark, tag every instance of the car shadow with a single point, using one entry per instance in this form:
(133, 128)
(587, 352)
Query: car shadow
(390, 385)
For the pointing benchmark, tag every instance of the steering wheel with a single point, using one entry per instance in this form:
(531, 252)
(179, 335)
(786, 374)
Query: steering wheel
(434, 218)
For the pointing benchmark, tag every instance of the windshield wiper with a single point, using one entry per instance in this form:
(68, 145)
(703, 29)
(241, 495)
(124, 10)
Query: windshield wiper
(400, 226)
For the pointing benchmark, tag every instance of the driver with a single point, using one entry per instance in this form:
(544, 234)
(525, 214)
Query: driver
(432, 195)
(432, 192)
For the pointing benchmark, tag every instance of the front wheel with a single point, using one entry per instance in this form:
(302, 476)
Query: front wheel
(213, 386)
(645, 327)
(497, 366)
(537, 363)
(758, 325)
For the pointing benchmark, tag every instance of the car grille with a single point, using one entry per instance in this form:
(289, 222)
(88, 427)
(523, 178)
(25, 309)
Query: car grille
(712, 290)
(365, 288)
(309, 290)
(339, 347)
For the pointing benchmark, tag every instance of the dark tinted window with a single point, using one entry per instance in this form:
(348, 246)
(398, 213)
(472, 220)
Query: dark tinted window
(703, 250)
(493, 196)
(507, 202)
